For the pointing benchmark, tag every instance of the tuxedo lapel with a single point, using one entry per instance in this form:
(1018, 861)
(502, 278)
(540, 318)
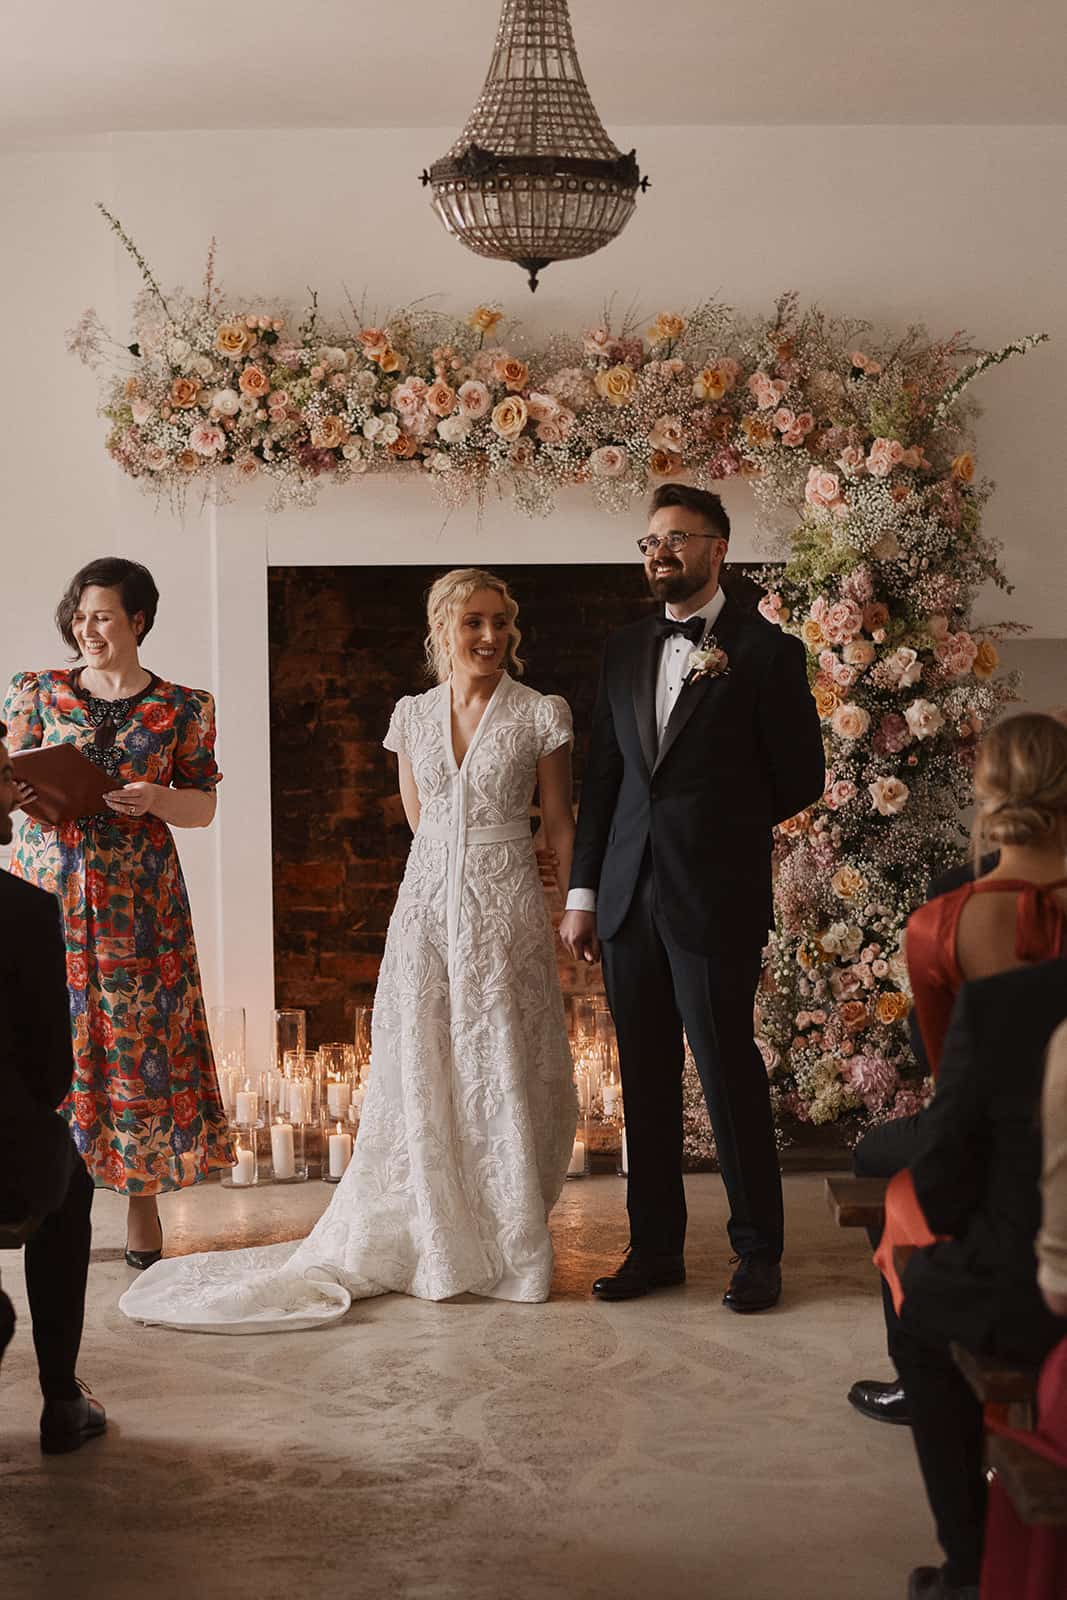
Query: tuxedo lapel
(645, 667)
(695, 693)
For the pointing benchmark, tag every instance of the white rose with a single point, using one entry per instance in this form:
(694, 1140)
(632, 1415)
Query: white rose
(227, 402)
(608, 462)
(335, 358)
(440, 462)
(924, 719)
(850, 721)
(178, 350)
(455, 428)
(201, 366)
(142, 410)
(904, 667)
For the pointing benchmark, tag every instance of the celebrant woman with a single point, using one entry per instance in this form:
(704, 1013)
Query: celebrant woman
(469, 1118)
(144, 1108)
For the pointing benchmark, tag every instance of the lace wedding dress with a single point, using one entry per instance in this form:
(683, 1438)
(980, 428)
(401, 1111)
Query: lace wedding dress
(469, 1118)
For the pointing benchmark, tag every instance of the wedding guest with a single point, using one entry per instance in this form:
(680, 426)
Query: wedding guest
(1014, 913)
(145, 1107)
(41, 1177)
(976, 1179)
(1052, 1240)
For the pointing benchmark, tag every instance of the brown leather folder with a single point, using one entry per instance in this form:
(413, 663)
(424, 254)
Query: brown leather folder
(67, 784)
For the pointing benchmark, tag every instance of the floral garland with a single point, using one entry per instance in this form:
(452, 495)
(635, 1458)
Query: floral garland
(863, 442)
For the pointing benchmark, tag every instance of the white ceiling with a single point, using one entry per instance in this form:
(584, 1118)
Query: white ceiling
(94, 66)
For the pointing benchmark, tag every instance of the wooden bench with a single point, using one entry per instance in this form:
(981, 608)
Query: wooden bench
(857, 1202)
(1036, 1486)
(1009, 1386)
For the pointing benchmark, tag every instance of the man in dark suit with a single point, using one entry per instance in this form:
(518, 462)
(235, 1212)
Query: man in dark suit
(977, 1171)
(40, 1170)
(704, 736)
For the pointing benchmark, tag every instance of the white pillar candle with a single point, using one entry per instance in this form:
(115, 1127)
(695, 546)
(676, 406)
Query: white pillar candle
(577, 1166)
(609, 1093)
(245, 1169)
(340, 1152)
(244, 1111)
(282, 1153)
(338, 1097)
(299, 1100)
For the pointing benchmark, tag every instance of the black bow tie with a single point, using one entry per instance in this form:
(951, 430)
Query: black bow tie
(692, 627)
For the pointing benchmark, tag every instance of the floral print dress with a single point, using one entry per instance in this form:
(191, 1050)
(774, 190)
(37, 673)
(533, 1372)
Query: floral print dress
(144, 1107)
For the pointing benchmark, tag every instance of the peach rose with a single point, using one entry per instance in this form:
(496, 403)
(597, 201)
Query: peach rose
(666, 327)
(875, 616)
(616, 384)
(483, 319)
(889, 796)
(542, 407)
(441, 399)
(511, 372)
(812, 634)
(793, 827)
(403, 447)
(826, 699)
(556, 429)
(986, 660)
(521, 454)
(509, 417)
(608, 462)
(757, 431)
(891, 1007)
(664, 463)
(666, 434)
(859, 653)
(188, 460)
(185, 392)
(330, 434)
(847, 883)
(389, 361)
(850, 721)
(963, 467)
(233, 339)
(473, 398)
(373, 342)
(713, 382)
(253, 381)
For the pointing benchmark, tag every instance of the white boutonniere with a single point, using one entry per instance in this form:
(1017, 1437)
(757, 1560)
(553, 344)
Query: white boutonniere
(708, 660)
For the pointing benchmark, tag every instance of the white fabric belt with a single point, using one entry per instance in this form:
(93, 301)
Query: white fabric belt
(492, 833)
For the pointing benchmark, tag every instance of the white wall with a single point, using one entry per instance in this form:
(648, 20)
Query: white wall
(957, 227)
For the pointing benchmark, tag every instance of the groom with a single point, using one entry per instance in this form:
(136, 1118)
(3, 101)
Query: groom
(704, 736)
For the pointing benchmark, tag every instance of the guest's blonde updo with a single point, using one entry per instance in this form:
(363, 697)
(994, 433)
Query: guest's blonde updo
(1020, 782)
(444, 603)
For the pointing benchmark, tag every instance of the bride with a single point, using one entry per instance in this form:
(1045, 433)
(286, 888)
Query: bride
(470, 1112)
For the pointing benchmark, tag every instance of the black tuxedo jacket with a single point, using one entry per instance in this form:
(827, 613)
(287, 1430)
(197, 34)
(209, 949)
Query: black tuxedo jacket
(977, 1172)
(741, 752)
(36, 1055)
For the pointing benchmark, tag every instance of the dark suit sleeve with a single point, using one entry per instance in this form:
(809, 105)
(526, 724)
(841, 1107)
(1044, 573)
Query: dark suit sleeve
(948, 1168)
(42, 1018)
(600, 791)
(789, 731)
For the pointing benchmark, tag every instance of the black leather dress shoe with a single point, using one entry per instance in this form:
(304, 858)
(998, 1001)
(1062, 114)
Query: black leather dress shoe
(639, 1275)
(68, 1424)
(140, 1259)
(755, 1286)
(930, 1583)
(885, 1402)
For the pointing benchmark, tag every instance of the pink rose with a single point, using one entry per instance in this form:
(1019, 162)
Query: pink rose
(957, 653)
(608, 462)
(473, 398)
(923, 719)
(823, 489)
(542, 407)
(207, 439)
(766, 390)
(599, 342)
(410, 394)
(839, 794)
(784, 420)
(850, 721)
(666, 434)
(441, 399)
(772, 608)
(852, 461)
(841, 621)
(556, 429)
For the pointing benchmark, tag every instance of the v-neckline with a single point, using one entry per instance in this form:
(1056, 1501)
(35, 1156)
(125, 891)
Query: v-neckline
(458, 766)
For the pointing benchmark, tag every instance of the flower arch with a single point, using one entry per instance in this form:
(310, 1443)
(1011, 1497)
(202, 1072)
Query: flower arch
(863, 441)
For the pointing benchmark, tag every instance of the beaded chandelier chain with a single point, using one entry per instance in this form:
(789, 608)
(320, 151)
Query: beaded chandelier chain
(533, 178)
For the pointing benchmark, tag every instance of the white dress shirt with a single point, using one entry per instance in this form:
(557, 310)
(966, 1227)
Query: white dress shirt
(670, 676)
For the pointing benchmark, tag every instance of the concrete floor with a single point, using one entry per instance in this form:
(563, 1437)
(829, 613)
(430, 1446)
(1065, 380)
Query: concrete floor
(475, 1450)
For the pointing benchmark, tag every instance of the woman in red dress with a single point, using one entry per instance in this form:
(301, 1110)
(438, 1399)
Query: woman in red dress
(144, 1109)
(1015, 916)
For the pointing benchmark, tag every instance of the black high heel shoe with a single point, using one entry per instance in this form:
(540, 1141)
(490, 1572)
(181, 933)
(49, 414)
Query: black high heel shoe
(140, 1259)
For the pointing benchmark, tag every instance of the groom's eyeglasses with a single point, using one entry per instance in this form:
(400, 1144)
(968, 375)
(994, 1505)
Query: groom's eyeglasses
(674, 541)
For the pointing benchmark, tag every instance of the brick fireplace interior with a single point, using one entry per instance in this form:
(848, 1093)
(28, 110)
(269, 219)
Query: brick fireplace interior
(345, 644)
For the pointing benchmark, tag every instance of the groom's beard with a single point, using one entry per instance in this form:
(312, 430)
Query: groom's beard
(677, 584)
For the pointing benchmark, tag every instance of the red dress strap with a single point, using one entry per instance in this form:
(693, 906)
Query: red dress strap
(1040, 922)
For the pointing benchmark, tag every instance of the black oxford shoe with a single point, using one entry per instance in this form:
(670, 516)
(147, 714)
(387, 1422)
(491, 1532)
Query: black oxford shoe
(930, 1583)
(885, 1402)
(68, 1424)
(639, 1275)
(755, 1286)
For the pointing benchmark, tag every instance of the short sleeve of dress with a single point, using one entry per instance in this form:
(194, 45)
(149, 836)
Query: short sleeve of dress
(396, 737)
(194, 754)
(22, 713)
(555, 726)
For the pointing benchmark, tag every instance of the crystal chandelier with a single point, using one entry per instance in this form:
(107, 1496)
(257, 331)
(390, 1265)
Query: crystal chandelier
(533, 178)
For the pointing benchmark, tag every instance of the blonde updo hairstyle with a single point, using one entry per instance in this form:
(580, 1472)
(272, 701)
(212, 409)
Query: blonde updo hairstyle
(444, 604)
(1020, 782)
